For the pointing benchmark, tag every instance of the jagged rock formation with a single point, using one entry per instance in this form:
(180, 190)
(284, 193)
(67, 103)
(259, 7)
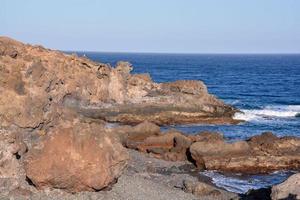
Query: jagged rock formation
(53, 100)
(35, 81)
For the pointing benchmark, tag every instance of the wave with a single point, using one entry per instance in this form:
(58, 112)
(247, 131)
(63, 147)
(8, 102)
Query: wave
(239, 183)
(269, 113)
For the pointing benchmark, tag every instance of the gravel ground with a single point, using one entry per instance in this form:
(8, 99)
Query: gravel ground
(146, 178)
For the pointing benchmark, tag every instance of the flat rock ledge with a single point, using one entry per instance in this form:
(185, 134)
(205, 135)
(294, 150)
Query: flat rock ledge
(210, 151)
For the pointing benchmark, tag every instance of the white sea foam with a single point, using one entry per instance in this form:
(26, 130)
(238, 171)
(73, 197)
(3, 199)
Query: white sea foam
(269, 112)
(242, 183)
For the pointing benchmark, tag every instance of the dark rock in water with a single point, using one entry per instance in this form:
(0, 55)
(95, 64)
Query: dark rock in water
(263, 194)
(297, 115)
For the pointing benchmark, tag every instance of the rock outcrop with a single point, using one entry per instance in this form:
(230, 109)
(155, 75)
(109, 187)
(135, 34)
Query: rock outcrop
(210, 151)
(289, 189)
(35, 80)
(76, 156)
(259, 154)
(39, 86)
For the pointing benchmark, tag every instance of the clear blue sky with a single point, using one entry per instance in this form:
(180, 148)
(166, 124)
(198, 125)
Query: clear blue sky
(188, 26)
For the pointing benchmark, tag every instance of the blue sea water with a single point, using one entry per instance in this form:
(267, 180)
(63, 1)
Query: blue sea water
(265, 87)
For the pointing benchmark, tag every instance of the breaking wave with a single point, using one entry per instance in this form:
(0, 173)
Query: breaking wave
(269, 112)
(243, 183)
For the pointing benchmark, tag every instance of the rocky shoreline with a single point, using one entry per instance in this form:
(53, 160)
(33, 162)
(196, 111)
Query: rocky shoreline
(55, 142)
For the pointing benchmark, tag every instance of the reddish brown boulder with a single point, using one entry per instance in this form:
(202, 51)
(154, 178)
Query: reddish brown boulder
(132, 136)
(76, 157)
(172, 145)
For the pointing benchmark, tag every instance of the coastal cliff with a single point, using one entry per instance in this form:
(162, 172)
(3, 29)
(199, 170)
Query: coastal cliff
(54, 134)
(36, 81)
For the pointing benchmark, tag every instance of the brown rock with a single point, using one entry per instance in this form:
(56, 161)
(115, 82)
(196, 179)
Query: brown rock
(12, 173)
(203, 152)
(76, 157)
(132, 136)
(172, 145)
(35, 81)
(207, 136)
(289, 189)
(200, 189)
(260, 154)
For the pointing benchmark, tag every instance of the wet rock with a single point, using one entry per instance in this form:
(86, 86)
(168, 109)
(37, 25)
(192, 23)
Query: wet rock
(289, 189)
(76, 156)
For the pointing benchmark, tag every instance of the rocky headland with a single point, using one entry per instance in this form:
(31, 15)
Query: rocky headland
(55, 142)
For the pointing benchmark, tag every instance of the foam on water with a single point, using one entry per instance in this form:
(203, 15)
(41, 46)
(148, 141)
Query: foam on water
(269, 113)
(243, 183)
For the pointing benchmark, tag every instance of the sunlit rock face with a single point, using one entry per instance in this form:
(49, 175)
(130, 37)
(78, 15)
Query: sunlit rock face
(34, 81)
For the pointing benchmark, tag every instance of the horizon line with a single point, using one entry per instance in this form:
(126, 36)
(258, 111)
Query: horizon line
(188, 53)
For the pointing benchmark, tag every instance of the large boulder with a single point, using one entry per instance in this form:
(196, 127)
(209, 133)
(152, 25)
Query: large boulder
(204, 152)
(76, 156)
(259, 154)
(289, 189)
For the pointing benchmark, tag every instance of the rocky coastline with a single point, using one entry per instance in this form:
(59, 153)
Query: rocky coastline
(55, 142)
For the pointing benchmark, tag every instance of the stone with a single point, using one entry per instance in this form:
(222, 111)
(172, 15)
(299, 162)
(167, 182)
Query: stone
(12, 174)
(172, 145)
(37, 81)
(289, 189)
(259, 154)
(132, 136)
(200, 188)
(76, 156)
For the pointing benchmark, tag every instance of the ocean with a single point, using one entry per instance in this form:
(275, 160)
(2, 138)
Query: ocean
(266, 88)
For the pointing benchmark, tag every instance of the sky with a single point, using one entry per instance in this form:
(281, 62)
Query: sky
(162, 26)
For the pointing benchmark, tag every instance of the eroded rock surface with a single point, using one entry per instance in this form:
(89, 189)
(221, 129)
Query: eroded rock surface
(259, 154)
(76, 157)
(35, 80)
